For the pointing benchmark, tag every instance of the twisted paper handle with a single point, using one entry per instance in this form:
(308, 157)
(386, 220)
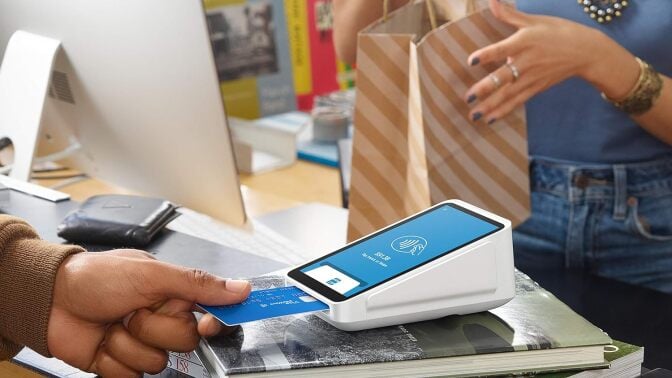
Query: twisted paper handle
(471, 6)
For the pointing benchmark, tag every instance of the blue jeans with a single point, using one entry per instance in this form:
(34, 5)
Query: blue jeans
(613, 221)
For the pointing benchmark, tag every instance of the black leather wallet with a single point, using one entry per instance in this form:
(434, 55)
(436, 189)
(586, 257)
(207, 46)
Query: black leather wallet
(117, 220)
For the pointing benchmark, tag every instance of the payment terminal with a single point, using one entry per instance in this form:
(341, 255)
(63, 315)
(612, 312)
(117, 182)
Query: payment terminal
(453, 258)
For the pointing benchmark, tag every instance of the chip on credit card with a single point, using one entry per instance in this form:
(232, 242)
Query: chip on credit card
(266, 304)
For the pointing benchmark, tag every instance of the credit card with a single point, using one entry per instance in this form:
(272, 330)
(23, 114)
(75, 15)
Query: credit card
(267, 304)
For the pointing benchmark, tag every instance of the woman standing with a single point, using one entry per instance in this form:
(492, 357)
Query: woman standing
(595, 78)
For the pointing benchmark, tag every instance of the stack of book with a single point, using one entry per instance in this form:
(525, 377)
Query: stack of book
(534, 333)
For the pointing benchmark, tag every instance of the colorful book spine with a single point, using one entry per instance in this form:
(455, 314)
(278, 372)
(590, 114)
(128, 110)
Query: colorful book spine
(297, 27)
(313, 36)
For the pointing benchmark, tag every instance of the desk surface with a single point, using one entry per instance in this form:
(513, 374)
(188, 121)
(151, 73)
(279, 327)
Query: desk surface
(263, 193)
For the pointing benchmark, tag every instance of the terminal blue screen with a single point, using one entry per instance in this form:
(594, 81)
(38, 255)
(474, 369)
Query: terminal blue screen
(377, 259)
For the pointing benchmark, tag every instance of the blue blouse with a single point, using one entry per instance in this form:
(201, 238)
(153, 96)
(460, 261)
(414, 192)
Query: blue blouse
(570, 121)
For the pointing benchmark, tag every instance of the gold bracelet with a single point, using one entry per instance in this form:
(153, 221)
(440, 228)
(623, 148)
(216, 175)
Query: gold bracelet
(644, 94)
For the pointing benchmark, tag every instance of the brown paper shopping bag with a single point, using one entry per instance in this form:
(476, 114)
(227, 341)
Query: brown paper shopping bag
(414, 144)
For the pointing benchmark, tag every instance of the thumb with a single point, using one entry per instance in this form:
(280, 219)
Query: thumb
(169, 281)
(507, 13)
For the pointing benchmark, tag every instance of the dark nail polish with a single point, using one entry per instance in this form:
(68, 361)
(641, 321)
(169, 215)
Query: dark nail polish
(475, 61)
(476, 116)
(471, 98)
(491, 121)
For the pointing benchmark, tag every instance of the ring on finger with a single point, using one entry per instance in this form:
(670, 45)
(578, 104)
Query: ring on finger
(514, 71)
(495, 80)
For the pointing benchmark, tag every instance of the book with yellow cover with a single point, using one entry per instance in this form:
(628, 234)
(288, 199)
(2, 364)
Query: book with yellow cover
(251, 52)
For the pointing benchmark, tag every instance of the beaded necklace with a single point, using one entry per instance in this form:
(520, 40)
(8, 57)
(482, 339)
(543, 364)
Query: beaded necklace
(603, 11)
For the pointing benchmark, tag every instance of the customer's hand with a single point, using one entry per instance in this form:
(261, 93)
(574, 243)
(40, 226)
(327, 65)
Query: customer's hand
(545, 51)
(116, 313)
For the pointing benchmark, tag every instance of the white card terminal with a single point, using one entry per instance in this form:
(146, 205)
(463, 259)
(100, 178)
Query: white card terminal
(453, 258)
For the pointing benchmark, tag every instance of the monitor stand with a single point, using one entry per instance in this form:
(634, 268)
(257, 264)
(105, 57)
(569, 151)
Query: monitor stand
(24, 80)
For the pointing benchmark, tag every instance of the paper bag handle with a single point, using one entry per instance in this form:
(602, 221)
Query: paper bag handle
(430, 10)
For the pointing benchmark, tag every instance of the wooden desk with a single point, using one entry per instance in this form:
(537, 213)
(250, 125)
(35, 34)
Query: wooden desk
(263, 193)
(302, 182)
(8, 369)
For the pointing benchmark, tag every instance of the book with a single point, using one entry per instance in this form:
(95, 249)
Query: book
(307, 149)
(533, 333)
(251, 51)
(625, 360)
(258, 148)
(299, 45)
(318, 152)
(188, 364)
(316, 68)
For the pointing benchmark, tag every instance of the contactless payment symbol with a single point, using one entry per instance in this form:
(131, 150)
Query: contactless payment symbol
(409, 244)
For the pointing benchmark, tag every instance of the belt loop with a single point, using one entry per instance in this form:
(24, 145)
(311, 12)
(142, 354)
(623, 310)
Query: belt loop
(570, 184)
(620, 191)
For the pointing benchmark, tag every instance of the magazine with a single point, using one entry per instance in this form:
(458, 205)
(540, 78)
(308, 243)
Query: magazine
(533, 333)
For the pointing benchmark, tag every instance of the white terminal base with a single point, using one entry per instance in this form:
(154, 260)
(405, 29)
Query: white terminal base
(475, 278)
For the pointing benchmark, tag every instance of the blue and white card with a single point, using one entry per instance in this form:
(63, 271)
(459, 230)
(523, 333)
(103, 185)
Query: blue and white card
(266, 304)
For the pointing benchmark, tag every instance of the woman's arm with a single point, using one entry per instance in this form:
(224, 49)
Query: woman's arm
(616, 83)
(351, 16)
(547, 50)
(658, 120)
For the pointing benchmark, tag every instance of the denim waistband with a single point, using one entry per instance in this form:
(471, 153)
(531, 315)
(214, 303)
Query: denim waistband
(580, 182)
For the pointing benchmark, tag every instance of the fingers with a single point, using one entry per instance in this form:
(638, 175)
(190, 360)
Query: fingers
(173, 326)
(505, 100)
(500, 51)
(176, 332)
(208, 326)
(484, 110)
(491, 83)
(173, 306)
(514, 100)
(497, 52)
(106, 366)
(512, 83)
(171, 281)
(126, 349)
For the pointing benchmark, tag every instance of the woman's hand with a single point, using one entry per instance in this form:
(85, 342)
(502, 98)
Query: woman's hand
(545, 51)
(116, 313)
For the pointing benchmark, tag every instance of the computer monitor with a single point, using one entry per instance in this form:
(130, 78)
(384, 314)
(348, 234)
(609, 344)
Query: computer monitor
(133, 89)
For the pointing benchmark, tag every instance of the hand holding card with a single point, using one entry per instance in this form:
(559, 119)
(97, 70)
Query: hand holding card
(266, 304)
